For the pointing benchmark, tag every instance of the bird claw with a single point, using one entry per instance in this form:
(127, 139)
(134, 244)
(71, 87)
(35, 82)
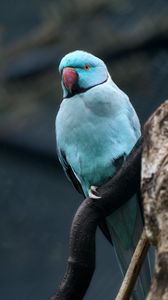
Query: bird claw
(92, 192)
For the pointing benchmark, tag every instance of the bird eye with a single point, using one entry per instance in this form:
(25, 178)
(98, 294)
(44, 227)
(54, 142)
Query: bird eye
(86, 67)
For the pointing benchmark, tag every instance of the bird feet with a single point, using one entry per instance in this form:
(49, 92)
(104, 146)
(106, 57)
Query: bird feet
(93, 194)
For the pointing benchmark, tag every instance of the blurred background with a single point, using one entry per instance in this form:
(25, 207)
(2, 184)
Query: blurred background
(37, 203)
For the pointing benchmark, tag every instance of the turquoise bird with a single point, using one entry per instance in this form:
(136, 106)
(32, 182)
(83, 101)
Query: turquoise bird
(96, 128)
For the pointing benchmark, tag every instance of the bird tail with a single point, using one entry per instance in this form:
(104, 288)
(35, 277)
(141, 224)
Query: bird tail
(124, 250)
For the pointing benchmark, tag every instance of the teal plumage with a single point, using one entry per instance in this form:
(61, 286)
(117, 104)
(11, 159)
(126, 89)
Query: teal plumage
(95, 126)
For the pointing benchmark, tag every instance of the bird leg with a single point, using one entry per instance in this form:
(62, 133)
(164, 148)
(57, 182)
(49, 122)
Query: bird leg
(93, 194)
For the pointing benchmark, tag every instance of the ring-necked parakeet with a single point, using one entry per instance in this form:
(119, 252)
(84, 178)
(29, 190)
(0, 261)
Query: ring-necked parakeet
(96, 128)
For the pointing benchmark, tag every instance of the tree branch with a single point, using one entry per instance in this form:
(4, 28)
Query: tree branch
(81, 262)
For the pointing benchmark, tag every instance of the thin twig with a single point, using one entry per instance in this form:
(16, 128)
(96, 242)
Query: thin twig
(134, 268)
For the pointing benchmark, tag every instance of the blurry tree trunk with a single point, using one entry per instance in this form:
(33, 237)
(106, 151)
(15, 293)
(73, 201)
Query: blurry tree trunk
(155, 195)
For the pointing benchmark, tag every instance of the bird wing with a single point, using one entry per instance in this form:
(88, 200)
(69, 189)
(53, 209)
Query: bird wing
(69, 171)
(134, 121)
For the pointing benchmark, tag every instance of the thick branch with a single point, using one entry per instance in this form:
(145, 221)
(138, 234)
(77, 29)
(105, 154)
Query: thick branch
(81, 261)
(155, 194)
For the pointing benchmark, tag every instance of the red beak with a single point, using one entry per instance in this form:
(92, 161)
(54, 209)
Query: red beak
(70, 78)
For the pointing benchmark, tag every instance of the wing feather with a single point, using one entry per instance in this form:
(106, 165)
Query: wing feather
(69, 171)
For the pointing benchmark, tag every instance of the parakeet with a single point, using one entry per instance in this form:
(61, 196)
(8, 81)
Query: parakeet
(96, 128)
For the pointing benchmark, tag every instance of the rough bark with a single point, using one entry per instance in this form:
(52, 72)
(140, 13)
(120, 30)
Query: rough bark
(155, 195)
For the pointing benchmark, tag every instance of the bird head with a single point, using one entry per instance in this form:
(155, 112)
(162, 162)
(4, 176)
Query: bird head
(81, 71)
